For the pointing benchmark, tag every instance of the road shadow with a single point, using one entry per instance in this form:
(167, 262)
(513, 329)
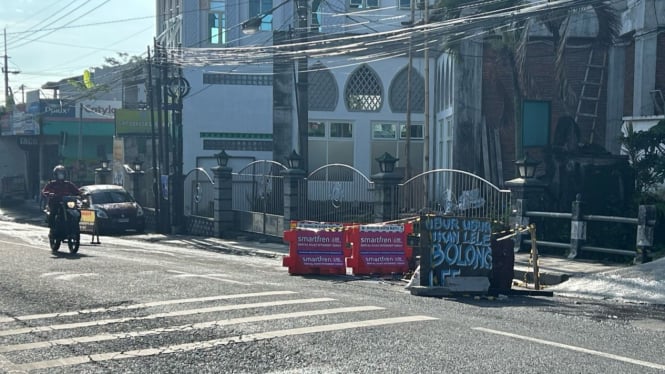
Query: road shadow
(69, 256)
(483, 301)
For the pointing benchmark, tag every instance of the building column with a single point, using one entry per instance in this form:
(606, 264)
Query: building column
(223, 202)
(646, 47)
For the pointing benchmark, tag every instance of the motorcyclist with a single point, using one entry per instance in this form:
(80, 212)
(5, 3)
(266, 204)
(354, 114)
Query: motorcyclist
(56, 189)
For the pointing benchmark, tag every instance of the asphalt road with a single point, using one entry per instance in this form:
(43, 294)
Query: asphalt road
(129, 306)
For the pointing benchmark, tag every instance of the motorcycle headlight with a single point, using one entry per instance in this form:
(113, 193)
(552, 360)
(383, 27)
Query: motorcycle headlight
(71, 204)
(139, 211)
(101, 214)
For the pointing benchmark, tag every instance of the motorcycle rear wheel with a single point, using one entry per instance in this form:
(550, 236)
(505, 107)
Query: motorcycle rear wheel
(54, 243)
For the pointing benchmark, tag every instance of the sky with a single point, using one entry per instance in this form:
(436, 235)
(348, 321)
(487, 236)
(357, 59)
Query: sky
(49, 40)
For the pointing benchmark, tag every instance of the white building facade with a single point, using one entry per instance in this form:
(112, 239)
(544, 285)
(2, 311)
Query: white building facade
(357, 99)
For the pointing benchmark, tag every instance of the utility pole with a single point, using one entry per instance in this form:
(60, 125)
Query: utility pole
(5, 70)
(302, 89)
(426, 144)
(22, 88)
(408, 95)
(153, 139)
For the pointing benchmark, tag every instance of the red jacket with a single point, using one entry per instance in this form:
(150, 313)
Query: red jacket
(60, 189)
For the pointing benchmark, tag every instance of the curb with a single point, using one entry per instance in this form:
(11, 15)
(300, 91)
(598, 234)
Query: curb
(549, 278)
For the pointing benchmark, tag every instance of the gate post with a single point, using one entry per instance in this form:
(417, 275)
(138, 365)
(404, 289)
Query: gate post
(223, 202)
(646, 221)
(385, 196)
(102, 173)
(577, 227)
(385, 189)
(526, 194)
(295, 196)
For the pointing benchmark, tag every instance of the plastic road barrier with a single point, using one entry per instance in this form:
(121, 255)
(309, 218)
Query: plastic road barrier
(316, 248)
(379, 249)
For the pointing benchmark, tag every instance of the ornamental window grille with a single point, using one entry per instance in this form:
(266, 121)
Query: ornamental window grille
(363, 92)
(399, 92)
(323, 91)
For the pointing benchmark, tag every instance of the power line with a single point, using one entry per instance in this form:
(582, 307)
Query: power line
(68, 23)
(31, 30)
(465, 27)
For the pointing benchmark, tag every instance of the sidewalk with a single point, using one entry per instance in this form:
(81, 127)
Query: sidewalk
(556, 270)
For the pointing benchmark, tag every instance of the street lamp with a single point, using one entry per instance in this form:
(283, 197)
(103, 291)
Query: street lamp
(222, 159)
(526, 167)
(136, 165)
(253, 24)
(293, 160)
(387, 162)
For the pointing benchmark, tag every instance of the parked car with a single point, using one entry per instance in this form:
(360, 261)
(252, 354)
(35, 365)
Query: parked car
(115, 209)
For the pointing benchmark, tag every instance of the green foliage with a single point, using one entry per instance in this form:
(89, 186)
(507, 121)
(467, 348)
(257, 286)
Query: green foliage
(123, 58)
(88, 93)
(646, 154)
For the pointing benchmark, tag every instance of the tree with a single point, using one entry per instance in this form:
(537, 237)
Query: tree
(646, 154)
(131, 66)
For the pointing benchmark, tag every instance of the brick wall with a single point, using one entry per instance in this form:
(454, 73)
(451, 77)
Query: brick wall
(498, 92)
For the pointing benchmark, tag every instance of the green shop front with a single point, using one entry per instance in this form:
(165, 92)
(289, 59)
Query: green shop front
(78, 142)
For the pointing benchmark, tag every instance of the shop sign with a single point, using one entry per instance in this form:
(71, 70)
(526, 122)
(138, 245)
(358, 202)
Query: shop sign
(57, 108)
(133, 122)
(99, 109)
(28, 140)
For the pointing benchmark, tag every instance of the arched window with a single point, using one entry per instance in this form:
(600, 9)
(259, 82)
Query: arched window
(363, 92)
(323, 92)
(399, 92)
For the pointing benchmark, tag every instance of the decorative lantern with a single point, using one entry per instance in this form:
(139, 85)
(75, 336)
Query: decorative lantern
(387, 162)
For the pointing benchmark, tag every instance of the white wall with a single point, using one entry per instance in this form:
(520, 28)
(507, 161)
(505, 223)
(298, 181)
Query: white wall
(223, 108)
(12, 158)
(248, 109)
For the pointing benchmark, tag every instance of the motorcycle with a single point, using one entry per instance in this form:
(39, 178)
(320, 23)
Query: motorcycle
(66, 224)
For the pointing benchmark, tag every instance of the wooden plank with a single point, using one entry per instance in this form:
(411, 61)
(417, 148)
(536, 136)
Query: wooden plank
(499, 160)
(485, 150)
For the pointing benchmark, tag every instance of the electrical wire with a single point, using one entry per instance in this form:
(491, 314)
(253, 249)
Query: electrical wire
(264, 54)
(28, 41)
(467, 27)
(31, 30)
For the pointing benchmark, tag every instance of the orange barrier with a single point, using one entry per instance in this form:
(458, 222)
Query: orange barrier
(316, 248)
(380, 249)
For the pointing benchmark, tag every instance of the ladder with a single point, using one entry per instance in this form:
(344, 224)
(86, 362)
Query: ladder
(587, 105)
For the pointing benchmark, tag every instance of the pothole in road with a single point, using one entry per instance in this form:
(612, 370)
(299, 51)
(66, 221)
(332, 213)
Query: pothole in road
(651, 317)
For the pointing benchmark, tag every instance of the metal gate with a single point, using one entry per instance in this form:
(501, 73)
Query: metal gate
(258, 197)
(339, 193)
(453, 192)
